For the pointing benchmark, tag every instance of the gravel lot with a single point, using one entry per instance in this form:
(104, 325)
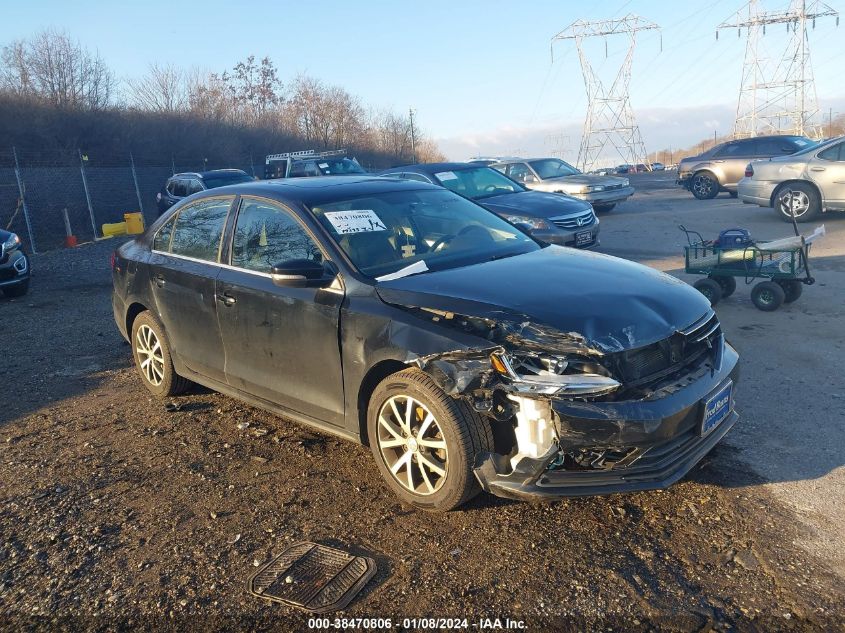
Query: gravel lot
(115, 512)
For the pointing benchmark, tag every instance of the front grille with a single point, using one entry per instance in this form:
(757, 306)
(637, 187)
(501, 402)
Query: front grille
(574, 221)
(612, 187)
(654, 362)
(8, 273)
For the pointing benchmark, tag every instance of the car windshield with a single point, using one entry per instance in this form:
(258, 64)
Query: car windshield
(808, 146)
(553, 168)
(339, 166)
(431, 229)
(477, 183)
(221, 180)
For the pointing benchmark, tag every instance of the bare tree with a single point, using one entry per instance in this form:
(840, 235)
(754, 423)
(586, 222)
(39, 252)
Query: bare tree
(162, 89)
(54, 68)
(254, 87)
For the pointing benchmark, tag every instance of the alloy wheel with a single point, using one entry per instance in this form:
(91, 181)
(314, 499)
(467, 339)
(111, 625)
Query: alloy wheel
(412, 445)
(702, 185)
(794, 202)
(150, 355)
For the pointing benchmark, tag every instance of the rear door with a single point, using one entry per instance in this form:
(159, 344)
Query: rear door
(281, 343)
(184, 265)
(733, 158)
(827, 170)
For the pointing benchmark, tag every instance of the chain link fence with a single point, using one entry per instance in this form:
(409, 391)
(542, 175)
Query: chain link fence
(45, 194)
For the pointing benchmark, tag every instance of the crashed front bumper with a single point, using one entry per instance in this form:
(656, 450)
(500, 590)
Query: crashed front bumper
(663, 430)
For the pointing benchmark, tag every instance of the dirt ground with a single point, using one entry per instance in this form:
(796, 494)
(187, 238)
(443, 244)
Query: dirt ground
(117, 513)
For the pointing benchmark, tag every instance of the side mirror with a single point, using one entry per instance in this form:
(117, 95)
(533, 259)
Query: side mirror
(299, 273)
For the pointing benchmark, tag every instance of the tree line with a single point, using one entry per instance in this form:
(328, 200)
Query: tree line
(54, 92)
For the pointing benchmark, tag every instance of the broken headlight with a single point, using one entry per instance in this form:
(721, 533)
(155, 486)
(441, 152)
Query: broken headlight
(554, 375)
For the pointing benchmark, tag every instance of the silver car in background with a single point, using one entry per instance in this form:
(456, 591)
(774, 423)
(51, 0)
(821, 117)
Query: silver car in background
(806, 184)
(554, 175)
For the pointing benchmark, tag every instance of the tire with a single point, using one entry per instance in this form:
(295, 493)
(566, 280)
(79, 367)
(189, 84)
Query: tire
(17, 290)
(147, 330)
(704, 185)
(455, 436)
(603, 208)
(792, 289)
(727, 284)
(767, 296)
(805, 202)
(710, 288)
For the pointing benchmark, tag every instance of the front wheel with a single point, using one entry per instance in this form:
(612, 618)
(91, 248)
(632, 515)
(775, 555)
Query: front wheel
(704, 185)
(152, 357)
(425, 442)
(710, 288)
(767, 296)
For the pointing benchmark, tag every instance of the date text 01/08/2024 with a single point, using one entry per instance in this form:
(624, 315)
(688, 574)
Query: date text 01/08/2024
(482, 624)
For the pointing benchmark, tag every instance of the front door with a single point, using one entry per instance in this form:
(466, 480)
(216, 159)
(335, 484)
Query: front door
(281, 343)
(184, 266)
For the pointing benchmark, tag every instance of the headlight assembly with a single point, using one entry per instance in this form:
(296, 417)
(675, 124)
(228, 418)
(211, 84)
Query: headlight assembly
(554, 375)
(532, 223)
(12, 243)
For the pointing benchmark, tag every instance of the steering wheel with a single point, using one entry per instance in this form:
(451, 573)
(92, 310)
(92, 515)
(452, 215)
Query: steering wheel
(491, 188)
(440, 242)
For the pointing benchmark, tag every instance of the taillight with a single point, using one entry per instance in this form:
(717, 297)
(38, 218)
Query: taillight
(749, 171)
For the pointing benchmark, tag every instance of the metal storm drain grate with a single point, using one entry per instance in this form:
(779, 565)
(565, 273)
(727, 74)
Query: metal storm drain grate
(313, 577)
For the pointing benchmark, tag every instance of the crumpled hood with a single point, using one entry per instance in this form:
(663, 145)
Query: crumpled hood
(537, 204)
(606, 303)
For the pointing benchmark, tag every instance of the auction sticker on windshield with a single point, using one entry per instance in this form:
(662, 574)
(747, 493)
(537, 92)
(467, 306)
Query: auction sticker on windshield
(446, 175)
(359, 221)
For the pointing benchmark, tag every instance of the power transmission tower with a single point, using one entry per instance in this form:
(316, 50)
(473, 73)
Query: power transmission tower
(610, 119)
(778, 93)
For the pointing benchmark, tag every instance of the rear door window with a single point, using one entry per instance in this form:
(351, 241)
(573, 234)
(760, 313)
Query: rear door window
(180, 188)
(735, 149)
(518, 171)
(835, 153)
(199, 229)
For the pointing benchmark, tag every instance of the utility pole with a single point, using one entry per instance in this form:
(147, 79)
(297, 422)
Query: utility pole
(777, 93)
(609, 123)
(413, 135)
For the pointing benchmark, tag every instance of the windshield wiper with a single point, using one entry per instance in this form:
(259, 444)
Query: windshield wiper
(412, 269)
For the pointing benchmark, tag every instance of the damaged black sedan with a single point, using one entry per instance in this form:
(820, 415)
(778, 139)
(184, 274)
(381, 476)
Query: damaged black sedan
(406, 317)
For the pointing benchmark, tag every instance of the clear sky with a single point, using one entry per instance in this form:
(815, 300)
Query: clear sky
(478, 72)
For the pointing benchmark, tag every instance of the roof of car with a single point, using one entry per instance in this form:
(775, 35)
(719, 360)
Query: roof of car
(321, 188)
(433, 168)
(210, 172)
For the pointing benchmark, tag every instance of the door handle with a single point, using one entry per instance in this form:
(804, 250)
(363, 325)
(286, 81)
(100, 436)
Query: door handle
(817, 168)
(159, 280)
(226, 300)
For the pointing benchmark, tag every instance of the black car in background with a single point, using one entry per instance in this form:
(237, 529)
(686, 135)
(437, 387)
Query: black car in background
(14, 265)
(401, 315)
(182, 185)
(554, 218)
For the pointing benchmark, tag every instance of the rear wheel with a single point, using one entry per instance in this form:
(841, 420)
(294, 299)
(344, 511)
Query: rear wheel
(704, 185)
(603, 208)
(767, 296)
(800, 199)
(792, 289)
(425, 442)
(727, 284)
(710, 288)
(152, 357)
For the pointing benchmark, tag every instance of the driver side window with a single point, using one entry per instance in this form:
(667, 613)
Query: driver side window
(519, 172)
(267, 234)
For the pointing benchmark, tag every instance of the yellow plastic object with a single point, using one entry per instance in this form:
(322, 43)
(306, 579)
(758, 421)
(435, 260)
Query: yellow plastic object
(118, 228)
(134, 223)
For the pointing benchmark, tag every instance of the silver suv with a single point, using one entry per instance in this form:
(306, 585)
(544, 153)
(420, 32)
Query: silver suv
(720, 168)
(557, 176)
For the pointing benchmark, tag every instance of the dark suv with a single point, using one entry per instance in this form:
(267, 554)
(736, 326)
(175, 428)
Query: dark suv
(721, 168)
(400, 314)
(180, 186)
(14, 265)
